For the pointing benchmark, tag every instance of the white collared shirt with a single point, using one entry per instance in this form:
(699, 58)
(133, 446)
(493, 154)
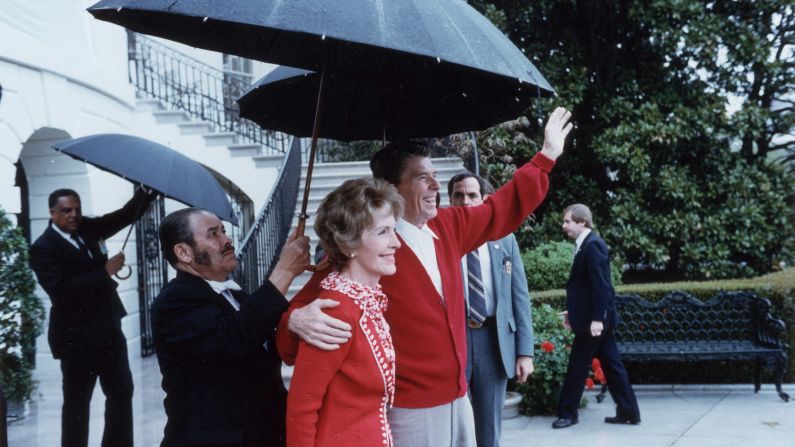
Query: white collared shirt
(420, 241)
(71, 241)
(485, 272)
(225, 293)
(580, 239)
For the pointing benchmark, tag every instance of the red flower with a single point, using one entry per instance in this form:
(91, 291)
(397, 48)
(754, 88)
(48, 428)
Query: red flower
(599, 376)
(547, 346)
(589, 383)
(595, 364)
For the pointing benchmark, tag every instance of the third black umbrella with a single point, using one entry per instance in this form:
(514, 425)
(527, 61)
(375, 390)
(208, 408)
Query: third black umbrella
(153, 165)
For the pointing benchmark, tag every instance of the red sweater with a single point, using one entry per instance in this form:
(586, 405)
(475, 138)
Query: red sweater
(340, 398)
(429, 333)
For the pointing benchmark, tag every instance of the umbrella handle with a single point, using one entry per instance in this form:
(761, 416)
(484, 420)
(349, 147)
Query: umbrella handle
(129, 273)
(299, 231)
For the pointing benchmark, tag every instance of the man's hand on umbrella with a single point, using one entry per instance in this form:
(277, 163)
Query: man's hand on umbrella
(114, 264)
(558, 127)
(292, 262)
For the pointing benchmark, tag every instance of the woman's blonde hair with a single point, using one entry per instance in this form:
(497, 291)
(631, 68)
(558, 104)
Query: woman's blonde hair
(347, 211)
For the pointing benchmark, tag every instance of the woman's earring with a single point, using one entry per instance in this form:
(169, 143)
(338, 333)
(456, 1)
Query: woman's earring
(353, 255)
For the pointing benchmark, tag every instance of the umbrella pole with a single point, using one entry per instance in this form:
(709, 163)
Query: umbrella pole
(124, 245)
(310, 167)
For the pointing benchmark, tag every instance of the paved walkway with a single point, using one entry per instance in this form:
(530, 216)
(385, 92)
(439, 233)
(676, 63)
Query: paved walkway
(685, 416)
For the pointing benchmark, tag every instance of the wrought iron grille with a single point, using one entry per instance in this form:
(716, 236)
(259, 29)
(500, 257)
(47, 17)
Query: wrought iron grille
(257, 255)
(202, 91)
(152, 269)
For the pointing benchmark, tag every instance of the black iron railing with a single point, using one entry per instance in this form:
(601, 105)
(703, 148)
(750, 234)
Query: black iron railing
(259, 250)
(204, 92)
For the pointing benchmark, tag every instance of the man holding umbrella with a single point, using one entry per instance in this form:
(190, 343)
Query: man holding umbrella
(221, 372)
(426, 296)
(72, 265)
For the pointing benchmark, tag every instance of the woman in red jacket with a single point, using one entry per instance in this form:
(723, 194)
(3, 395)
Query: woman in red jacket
(340, 397)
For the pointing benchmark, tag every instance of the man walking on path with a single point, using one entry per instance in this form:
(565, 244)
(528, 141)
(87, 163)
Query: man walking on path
(591, 314)
(499, 324)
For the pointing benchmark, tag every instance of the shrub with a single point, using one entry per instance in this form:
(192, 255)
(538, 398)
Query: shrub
(21, 314)
(548, 266)
(552, 345)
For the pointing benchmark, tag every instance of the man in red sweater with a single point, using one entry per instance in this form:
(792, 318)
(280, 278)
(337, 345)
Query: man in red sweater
(426, 310)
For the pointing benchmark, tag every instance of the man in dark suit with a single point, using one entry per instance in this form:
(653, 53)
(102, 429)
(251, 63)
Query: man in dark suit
(591, 314)
(214, 343)
(499, 325)
(72, 265)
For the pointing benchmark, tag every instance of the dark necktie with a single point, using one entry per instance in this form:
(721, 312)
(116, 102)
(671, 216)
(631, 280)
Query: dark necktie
(477, 295)
(81, 246)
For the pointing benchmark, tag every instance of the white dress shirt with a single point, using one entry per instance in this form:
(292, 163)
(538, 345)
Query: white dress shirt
(224, 291)
(580, 239)
(71, 241)
(420, 241)
(485, 273)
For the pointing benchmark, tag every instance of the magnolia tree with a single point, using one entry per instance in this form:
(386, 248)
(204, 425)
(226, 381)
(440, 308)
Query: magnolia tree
(684, 114)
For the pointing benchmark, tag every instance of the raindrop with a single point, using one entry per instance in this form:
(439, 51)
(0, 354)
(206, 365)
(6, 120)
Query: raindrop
(463, 94)
(323, 37)
(118, 9)
(619, 45)
(205, 19)
(517, 99)
(438, 60)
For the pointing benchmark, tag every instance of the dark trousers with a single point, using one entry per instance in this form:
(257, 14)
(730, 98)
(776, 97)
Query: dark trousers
(80, 374)
(3, 416)
(583, 350)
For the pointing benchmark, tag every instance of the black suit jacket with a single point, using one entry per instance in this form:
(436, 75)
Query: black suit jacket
(589, 291)
(222, 386)
(86, 310)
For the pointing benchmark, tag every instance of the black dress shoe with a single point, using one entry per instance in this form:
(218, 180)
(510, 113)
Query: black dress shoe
(623, 419)
(564, 422)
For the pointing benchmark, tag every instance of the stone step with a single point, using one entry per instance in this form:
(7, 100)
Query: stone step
(269, 161)
(170, 116)
(220, 138)
(245, 149)
(195, 128)
(149, 105)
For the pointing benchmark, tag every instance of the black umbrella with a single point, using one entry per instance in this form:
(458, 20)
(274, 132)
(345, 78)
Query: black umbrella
(155, 166)
(388, 40)
(407, 45)
(363, 109)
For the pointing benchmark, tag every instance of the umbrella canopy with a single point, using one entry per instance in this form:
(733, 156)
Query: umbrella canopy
(406, 41)
(363, 109)
(155, 166)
